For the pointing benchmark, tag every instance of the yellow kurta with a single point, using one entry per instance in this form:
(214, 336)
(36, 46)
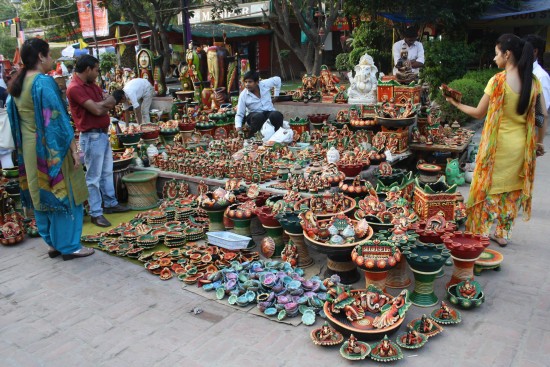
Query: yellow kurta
(510, 152)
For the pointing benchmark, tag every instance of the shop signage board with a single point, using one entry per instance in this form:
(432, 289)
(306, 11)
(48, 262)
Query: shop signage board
(248, 10)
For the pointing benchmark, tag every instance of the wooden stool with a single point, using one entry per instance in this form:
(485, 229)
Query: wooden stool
(142, 189)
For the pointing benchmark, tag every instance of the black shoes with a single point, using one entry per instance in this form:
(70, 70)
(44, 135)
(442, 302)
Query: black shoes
(53, 253)
(116, 209)
(83, 252)
(101, 221)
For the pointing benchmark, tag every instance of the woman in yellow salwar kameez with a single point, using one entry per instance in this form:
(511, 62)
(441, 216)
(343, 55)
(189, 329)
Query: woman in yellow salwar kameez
(510, 142)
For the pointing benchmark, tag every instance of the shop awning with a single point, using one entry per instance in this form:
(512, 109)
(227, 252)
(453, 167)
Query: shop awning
(501, 9)
(232, 30)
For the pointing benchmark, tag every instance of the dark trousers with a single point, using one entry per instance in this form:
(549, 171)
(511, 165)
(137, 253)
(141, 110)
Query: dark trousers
(257, 119)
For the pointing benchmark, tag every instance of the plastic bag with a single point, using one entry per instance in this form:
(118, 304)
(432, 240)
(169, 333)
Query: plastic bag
(267, 130)
(282, 136)
(6, 139)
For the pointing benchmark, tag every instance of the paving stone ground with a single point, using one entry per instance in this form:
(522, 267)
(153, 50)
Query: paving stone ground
(105, 311)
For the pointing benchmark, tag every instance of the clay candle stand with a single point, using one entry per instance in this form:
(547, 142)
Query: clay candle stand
(290, 221)
(327, 205)
(425, 261)
(376, 258)
(432, 230)
(465, 249)
(336, 238)
(398, 277)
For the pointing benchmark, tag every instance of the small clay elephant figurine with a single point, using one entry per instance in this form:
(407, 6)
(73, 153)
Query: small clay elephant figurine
(453, 174)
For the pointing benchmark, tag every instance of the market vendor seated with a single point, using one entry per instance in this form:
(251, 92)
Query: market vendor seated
(256, 100)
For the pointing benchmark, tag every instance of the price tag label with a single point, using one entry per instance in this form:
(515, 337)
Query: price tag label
(389, 156)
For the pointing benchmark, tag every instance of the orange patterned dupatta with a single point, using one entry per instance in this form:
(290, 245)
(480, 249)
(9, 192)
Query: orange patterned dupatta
(483, 173)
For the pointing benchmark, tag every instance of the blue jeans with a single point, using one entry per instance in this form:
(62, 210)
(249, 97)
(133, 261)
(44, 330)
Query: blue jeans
(98, 159)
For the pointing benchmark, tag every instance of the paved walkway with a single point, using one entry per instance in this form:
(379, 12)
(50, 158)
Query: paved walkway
(105, 311)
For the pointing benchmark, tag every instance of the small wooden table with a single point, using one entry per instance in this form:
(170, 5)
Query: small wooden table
(455, 150)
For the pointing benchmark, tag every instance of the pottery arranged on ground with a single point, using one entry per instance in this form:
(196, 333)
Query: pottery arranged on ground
(465, 249)
(326, 205)
(466, 294)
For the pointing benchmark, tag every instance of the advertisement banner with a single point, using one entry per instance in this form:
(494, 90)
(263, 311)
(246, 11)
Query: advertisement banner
(85, 14)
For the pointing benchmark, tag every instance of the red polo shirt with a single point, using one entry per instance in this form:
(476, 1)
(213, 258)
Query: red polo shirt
(78, 93)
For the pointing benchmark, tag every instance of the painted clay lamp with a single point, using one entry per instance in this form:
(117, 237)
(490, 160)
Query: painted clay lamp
(326, 336)
(466, 294)
(376, 258)
(386, 351)
(425, 326)
(411, 339)
(354, 349)
(445, 315)
(465, 249)
(398, 277)
(425, 261)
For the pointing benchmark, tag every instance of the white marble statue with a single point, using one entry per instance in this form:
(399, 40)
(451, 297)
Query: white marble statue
(363, 85)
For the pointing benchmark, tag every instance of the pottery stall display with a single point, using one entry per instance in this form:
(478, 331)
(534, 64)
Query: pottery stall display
(431, 198)
(465, 249)
(376, 258)
(369, 314)
(274, 231)
(385, 215)
(326, 205)
(336, 237)
(317, 120)
(425, 261)
(355, 187)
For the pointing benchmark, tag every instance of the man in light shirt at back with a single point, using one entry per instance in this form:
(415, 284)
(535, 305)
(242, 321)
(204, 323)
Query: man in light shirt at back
(256, 99)
(137, 93)
(541, 74)
(414, 47)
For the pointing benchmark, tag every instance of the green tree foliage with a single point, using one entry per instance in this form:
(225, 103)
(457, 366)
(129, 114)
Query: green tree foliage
(449, 15)
(376, 37)
(342, 62)
(312, 16)
(7, 42)
(446, 60)
(107, 61)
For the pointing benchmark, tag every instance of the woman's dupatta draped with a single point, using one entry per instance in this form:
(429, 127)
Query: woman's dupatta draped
(54, 134)
(483, 173)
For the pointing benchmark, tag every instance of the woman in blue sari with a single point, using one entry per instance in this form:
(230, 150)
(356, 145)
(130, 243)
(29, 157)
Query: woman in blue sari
(50, 175)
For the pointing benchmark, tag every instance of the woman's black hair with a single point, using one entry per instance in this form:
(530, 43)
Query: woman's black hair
(30, 56)
(523, 56)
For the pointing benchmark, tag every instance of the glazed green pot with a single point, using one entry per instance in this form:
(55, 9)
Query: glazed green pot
(215, 220)
(276, 233)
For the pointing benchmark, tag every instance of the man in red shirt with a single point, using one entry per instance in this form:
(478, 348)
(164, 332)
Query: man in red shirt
(90, 111)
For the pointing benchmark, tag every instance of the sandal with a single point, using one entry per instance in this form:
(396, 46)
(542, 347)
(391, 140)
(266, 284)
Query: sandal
(499, 240)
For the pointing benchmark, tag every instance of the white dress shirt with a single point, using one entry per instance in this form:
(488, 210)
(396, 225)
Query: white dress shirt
(544, 79)
(416, 53)
(249, 102)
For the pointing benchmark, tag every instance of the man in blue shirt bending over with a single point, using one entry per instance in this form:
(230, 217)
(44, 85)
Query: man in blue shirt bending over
(256, 99)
